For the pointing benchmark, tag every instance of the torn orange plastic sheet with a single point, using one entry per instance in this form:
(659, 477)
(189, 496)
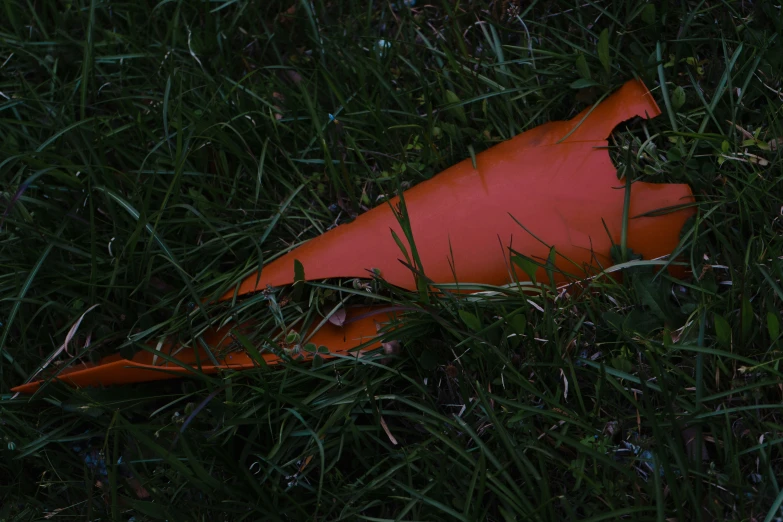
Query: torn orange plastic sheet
(361, 327)
(557, 180)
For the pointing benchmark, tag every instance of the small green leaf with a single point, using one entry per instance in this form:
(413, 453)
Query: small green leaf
(582, 83)
(678, 98)
(518, 323)
(603, 50)
(650, 294)
(527, 265)
(582, 68)
(292, 337)
(648, 14)
(722, 330)
(198, 198)
(614, 320)
(470, 320)
(773, 326)
(641, 322)
(458, 110)
(309, 347)
(318, 361)
(622, 364)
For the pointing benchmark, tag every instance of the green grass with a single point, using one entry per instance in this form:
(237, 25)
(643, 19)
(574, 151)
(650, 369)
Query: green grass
(151, 154)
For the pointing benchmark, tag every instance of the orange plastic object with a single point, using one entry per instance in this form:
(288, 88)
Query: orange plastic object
(557, 180)
(360, 327)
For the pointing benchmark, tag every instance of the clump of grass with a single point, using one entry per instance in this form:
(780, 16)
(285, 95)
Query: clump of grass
(153, 154)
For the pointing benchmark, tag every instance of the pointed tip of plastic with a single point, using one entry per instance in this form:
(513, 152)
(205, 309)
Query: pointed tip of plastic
(596, 123)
